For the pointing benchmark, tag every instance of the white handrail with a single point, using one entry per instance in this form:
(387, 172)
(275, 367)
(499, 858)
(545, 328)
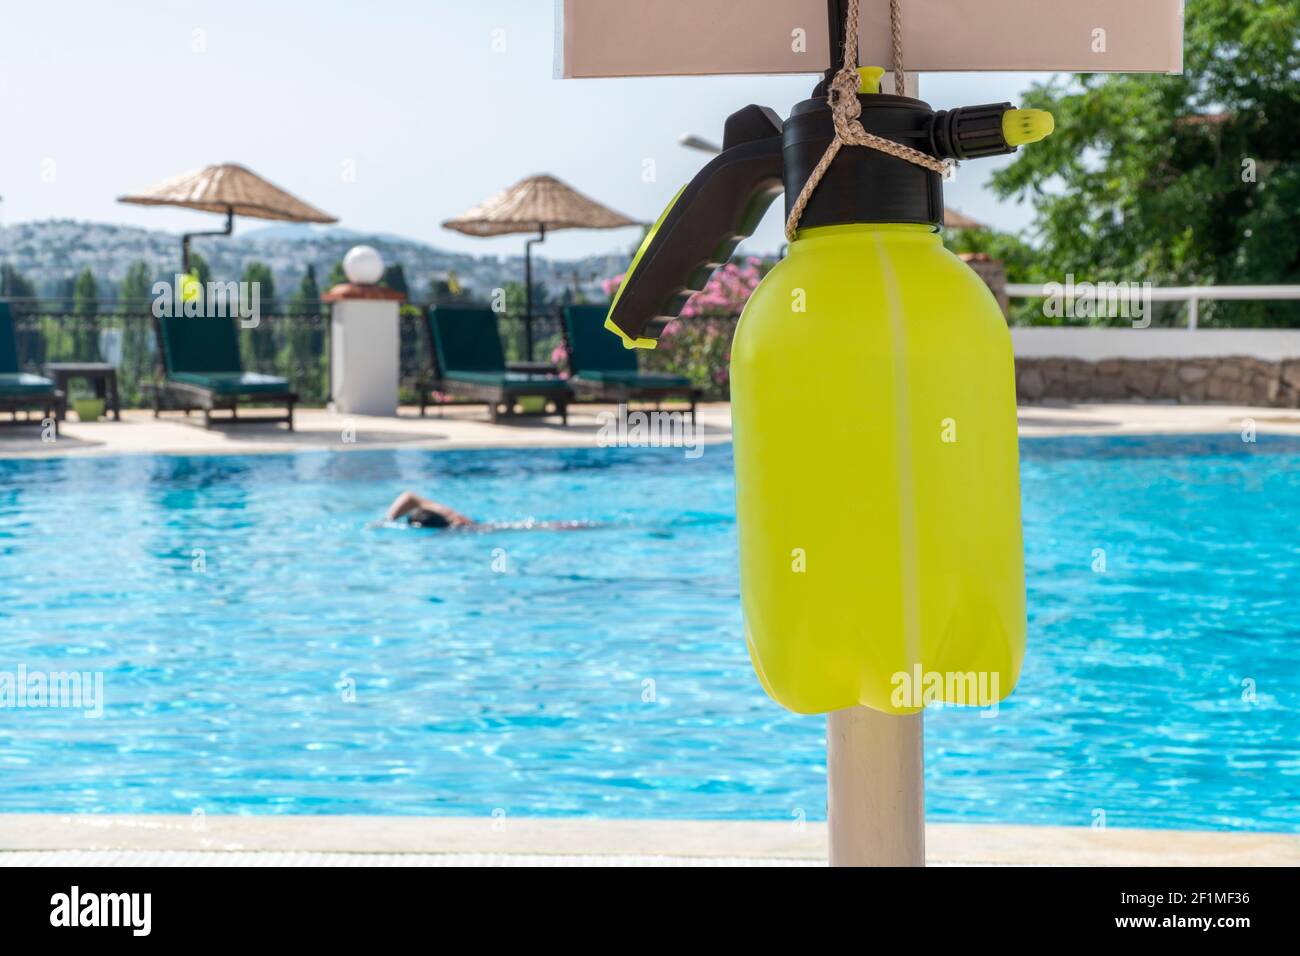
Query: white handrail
(1191, 294)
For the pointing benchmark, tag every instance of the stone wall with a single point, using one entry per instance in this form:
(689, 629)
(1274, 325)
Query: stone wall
(1230, 380)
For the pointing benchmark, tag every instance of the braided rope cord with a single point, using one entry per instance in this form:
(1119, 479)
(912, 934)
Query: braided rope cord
(845, 110)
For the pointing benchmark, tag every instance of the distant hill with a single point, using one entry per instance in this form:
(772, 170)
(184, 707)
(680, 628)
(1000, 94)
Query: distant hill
(51, 252)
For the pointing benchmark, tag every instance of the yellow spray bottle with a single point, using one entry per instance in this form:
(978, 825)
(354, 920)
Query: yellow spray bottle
(873, 406)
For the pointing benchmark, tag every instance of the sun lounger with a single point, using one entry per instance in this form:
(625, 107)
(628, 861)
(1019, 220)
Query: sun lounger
(605, 371)
(469, 364)
(21, 390)
(202, 370)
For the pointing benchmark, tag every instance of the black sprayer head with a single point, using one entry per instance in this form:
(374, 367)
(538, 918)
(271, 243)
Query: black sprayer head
(761, 156)
(863, 184)
(866, 185)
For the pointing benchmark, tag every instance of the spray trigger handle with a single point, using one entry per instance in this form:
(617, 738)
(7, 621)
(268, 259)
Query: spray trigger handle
(701, 228)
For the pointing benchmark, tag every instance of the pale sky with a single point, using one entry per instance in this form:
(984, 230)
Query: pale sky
(101, 98)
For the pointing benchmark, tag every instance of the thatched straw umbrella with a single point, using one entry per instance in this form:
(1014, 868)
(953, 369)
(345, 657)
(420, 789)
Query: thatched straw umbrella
(537, 204)
(226, 188)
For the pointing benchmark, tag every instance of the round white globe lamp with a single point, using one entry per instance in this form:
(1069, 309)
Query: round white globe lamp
(363, 265)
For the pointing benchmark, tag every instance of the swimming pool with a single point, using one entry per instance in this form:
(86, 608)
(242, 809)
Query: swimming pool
(264, 650)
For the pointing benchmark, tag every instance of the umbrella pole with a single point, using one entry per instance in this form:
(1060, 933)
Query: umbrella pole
(185, 239)
(528, 289)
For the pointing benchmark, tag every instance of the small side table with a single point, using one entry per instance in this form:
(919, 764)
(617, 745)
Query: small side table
(100, 374)
(533, 368)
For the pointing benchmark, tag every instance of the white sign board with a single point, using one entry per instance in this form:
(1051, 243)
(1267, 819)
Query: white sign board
(695, 37)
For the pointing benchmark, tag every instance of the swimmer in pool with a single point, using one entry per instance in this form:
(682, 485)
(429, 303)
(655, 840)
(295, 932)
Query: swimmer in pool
(424, 513)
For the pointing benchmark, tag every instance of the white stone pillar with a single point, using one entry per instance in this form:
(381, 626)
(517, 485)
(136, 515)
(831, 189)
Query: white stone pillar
(365, 367)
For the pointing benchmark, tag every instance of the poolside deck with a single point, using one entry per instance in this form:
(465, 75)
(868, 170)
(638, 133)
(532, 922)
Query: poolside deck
(89, 839)
(467, 427)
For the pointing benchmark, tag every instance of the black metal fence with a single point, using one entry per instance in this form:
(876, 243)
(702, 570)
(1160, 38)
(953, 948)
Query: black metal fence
(417, 352)
(289, 340)
(547, 334)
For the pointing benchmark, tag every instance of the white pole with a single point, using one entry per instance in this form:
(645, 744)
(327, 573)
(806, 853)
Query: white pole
(875, 789)
(911, 84)
(875, 786)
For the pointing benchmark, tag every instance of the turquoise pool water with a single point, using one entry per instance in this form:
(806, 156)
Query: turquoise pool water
(264, 650)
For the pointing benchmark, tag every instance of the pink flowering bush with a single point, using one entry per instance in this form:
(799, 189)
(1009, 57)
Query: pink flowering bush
(560, 359)
(698, 345)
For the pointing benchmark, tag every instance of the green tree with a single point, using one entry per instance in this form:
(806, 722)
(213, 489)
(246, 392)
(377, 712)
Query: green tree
(136, 290)
(85, 294)
(135, 299)
(395, 279)
(13, 284)
(303, 356)
(308, 293)
(337, 276)
(1022, 262)
(516, 306)
(1187, 179)
(85, 311)
(260, 273)
(444, 288)
(264, 343)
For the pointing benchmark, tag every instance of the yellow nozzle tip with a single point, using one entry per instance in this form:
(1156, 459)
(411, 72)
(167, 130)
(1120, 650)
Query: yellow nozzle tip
(628, 341)
(869, 78)
(1026, 126)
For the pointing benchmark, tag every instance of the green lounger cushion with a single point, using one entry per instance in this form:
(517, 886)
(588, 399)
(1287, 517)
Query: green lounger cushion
(8, 341)
(466, 339)
(194, 344)
(24, 383)
(233, 383)
(636, 379)
(592, 347)
(519, 382)
(13, 381)
(204, 353)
